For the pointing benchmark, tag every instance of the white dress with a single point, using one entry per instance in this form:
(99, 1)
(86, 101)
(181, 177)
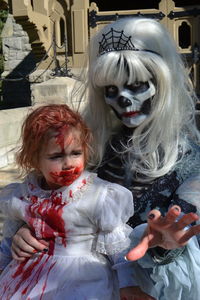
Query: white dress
(84, 222)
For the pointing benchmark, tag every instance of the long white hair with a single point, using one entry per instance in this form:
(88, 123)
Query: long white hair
(154, 147)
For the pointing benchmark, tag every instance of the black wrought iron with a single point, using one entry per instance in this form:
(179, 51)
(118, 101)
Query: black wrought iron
(177, 14)
(60, 71)
(56, 71)
(94, 17)
(65, 70)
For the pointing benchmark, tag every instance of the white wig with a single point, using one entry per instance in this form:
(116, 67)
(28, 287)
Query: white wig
(155, 143)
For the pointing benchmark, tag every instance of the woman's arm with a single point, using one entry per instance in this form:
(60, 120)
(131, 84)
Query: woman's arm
(161, 231)
(165, 232)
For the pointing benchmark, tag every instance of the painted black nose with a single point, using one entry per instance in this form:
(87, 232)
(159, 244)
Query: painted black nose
(123, 102)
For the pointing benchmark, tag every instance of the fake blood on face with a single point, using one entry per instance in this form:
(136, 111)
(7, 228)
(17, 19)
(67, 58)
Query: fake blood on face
(66, 177)
(60, 140)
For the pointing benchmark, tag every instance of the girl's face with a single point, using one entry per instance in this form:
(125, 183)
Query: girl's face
(62, 158)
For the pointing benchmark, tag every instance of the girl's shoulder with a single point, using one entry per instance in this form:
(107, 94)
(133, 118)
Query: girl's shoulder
(113, 194)
(10, 189)
(111, 186)
(19, 189)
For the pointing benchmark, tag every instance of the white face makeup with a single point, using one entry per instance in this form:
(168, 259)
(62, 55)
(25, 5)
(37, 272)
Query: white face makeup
(131, 103)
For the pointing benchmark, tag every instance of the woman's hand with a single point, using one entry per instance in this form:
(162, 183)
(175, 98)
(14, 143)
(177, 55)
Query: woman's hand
(24, 244)
(134, 293)
(165, 232)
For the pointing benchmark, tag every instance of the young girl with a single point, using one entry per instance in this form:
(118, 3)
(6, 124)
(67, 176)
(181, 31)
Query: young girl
(82, 216)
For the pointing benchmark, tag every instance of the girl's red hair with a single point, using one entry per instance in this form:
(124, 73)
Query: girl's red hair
(36, 127)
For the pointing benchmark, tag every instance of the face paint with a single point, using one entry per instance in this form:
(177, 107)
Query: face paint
(131, 103)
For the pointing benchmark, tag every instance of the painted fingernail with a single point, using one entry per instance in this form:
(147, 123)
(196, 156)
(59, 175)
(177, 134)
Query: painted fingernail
(45, 250)
(35, 251)
(151, 216)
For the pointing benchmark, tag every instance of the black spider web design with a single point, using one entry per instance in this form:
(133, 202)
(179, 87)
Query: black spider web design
(115, 41)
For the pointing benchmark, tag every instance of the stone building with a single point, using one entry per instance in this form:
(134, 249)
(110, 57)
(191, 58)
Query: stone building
(59, 30)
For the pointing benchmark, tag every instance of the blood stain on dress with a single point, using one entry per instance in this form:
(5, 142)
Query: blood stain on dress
(45, 218)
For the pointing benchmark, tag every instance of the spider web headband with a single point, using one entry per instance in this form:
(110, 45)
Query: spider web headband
(115, 40)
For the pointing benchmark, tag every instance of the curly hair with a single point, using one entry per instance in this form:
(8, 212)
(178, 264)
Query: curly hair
(35, 131)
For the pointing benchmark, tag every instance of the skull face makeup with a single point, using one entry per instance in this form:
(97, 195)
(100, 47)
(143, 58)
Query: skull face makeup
(131, 103)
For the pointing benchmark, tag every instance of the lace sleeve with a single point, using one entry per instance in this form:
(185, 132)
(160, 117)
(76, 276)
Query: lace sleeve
(112, 215)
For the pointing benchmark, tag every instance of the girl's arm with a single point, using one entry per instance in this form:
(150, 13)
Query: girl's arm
(15, 210)
(5, 253)
(10, 203)
(9, 229)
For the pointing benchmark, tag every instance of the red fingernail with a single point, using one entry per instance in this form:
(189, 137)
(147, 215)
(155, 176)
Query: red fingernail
(151, 216)
(35, 251)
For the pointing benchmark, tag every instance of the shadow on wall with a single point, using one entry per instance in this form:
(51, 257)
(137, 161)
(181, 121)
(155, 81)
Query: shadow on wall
(16, 90)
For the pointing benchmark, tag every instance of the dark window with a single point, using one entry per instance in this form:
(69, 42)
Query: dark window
(184, 33)
(62, 31)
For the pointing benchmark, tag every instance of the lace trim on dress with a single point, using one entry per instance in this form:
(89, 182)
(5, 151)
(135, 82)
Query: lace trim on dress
(77, 194)
(110, 249)
(113, 242)
(65, 194)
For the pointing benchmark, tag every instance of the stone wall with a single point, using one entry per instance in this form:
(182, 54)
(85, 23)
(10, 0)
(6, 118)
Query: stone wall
(18, 63)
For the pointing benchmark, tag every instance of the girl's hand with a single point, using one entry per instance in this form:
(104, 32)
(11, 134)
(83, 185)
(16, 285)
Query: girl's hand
(24, 244)
(134, 293)
(165, 232)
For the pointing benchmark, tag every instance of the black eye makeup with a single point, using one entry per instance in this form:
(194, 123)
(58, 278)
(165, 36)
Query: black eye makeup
(137, 86)
(111, 91)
